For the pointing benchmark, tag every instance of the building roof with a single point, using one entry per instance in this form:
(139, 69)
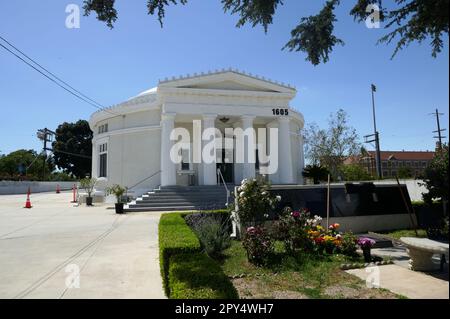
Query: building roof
(404, 155)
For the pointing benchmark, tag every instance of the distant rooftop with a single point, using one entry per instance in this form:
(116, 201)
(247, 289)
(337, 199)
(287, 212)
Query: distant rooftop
(404, 155)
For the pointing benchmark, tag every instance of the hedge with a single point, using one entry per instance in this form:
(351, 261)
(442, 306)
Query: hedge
(197, 276)
(187, 272)
(175, 237)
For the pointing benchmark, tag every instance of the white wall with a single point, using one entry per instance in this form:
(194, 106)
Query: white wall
(13, 187)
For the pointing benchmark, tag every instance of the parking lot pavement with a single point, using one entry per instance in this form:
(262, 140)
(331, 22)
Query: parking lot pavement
(58, 250)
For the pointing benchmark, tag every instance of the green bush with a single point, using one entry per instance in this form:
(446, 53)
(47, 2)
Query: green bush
(175, 237)
(197, 276)
(212, 230)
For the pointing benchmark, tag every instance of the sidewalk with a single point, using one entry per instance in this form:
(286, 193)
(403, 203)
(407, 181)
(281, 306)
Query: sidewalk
(411, 284)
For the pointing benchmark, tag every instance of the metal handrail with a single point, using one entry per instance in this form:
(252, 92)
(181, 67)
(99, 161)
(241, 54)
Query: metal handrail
(144, 180)
(219, 173)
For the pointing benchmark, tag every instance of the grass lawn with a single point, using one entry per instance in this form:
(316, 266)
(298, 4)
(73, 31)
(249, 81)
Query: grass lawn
(406, 233)
(303, 276)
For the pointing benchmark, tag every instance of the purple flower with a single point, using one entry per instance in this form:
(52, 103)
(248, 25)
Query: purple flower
(295, 214)
(365, 242)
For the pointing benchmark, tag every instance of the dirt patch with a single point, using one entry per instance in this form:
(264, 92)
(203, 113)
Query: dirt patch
(288, 295)
(361, 292)
(253, 288)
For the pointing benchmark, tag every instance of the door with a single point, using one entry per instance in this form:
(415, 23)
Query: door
(225, 168)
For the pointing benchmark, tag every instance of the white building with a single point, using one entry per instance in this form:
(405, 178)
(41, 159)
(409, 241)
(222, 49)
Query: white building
(131, 144)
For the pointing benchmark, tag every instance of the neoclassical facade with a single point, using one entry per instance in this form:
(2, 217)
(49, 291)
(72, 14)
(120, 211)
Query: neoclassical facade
(132, 140)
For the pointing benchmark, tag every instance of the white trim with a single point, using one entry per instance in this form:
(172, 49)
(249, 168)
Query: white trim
(130, 130)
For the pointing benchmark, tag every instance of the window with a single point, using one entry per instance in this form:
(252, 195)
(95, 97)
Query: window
(103, 160)
(424, 164)
(257, 160)
(384, 164)
(103, 128)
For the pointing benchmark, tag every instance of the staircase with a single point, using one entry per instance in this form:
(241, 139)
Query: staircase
(181, 198)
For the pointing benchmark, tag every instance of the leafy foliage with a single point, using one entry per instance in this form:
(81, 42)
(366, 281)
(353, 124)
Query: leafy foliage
(408, 21)
(25, 163)
(405, 172)
(253, 11)
(255, 200)
(212, 230)
(117, 191)
(88, 185)
(314, 35)
(75, 138)
(354, 172)
(316, 172)
(103, 8)
(436, 176)
(329, 148)
(258, 244)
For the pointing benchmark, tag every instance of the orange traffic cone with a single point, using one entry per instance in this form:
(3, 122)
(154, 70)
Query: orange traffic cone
(28, 202)
(58, 190)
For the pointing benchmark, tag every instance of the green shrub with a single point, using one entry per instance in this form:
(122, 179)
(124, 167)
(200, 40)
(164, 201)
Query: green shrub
(348, 244)
(212, 230)
(197, 276)
(175, 237)
(258, 244)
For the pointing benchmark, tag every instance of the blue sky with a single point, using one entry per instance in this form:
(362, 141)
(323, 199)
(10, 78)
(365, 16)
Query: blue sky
(112, 65)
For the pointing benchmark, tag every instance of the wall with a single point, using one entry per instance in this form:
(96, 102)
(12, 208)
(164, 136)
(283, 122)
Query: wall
(363, 224)
(13, 187)
(414, 189)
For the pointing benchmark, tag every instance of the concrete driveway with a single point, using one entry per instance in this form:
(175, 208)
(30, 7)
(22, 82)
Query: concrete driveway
(58, 250)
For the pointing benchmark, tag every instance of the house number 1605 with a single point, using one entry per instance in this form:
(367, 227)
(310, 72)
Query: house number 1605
(280, 111)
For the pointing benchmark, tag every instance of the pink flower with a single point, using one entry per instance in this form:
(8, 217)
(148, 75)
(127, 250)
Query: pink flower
(295, 214)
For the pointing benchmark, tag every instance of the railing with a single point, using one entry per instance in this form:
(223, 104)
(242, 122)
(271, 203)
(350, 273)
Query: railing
(145, 179)
(219, 174)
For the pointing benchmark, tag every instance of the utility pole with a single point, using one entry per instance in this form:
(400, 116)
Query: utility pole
(439, 130)
(45, 135)
(376, 136)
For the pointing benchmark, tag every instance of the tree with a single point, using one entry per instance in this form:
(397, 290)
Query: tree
(405, 172)
(436, 177)
(24, 163)
(406, 22)
(316, 173)
(354, 172)
(329, 148)
(72, 148)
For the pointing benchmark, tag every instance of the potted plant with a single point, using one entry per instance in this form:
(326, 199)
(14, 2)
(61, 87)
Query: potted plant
(88, 185)
(366, 245)
(117, 191)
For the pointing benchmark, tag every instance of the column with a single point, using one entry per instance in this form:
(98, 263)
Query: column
(284, 151)
(209, 166)
(248, 167)
(301, 157)
(94, 170)
(168, 167)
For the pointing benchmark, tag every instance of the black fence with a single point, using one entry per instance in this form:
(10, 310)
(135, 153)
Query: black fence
(346, 200)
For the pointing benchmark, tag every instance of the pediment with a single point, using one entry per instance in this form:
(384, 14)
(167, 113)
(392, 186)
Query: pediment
(228, 81)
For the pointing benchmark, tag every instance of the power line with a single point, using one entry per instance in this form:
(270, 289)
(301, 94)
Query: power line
(76, 93)
(52, 74)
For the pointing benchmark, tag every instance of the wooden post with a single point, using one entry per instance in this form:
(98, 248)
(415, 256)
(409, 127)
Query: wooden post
(328, 202)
